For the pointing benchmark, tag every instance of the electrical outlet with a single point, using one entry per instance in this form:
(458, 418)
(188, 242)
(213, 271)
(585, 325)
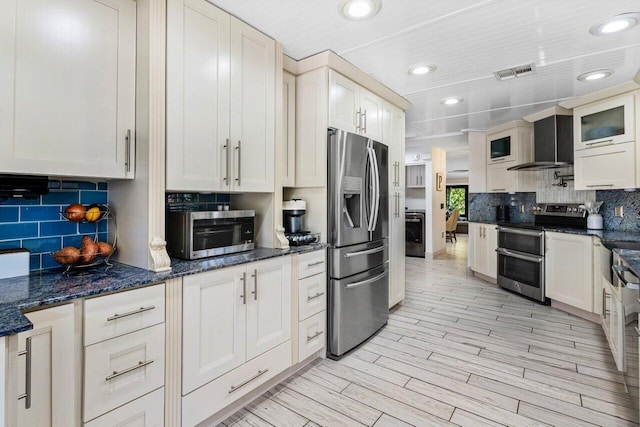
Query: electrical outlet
(618, 211)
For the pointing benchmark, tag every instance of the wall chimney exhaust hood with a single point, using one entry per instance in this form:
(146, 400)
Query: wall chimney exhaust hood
(552, 140)
(23, 186)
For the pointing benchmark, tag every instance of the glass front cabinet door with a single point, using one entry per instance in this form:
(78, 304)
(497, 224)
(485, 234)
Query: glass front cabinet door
(606, 122)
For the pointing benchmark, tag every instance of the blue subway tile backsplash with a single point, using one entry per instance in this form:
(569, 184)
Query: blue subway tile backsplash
(36, 224)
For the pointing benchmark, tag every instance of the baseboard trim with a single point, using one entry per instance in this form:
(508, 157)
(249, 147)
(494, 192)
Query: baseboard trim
(586, 315)
(434, 255)
(485, 278)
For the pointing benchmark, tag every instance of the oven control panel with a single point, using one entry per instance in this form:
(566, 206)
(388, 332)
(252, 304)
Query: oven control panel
(565, 210)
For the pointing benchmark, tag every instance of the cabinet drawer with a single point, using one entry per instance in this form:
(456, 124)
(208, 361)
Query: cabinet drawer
(312, 295)
(147, 411)
(118, 314)
(311, 335)
(311, 263)
(122, 369)
(204, 402)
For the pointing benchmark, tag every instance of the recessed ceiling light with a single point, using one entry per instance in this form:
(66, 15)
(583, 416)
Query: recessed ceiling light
(452, 100)
(616, 24)
(594, 75)
(419, 70)
(359, 9)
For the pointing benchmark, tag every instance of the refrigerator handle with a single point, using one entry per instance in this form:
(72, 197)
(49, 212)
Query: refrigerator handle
(377, 190)
(372, 204)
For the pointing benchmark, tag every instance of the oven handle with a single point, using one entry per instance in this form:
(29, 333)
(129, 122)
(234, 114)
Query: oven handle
(520, 255)
(617, 270)
(523, 232)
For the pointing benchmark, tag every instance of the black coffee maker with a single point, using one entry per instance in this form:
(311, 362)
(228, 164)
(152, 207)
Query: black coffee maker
(502, 213)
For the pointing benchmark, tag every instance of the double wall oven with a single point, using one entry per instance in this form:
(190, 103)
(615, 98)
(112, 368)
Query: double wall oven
(521, 248)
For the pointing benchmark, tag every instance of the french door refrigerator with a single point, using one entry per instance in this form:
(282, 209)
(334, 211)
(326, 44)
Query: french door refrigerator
(358, 230)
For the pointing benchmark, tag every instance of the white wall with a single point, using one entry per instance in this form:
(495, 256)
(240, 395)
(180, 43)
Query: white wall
(438, 202)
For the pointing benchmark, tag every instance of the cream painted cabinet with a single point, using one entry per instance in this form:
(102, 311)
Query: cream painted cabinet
(415, 176)
(353, 108)
(605, 168)
(569, 269)
(613, 324)
(506, 146)
(46, 371)
(477, 162)
(483, 241)
(198, 80)
(220, 101)
(601, 123)
(142, 412)
(67, 92)
(289, 130)
(393, 136)
(311, 129)
(232, 315)
(253, 69)
(601, 273)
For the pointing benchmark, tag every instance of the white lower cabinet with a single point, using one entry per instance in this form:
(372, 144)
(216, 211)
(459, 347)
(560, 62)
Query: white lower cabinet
(223, 391)
(483, 241)
(613, 321)
(143, 412)
(312, 335)
(122, 369)
(568, 270)
(124, 358)
(397, 243)
(46, 382)
(233, 320)
(312, 304)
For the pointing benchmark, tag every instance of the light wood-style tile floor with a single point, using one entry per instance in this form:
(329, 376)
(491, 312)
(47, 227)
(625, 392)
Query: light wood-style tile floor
(464, 352)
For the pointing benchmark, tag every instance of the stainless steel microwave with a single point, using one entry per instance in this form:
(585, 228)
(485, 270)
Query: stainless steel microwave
(196, 234)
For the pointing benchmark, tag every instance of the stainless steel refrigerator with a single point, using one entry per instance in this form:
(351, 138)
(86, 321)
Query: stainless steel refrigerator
(358, 230)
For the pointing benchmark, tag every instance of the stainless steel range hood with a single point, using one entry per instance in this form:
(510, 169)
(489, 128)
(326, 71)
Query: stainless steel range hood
(552, 144)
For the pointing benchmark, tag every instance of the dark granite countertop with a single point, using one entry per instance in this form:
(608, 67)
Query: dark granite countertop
(49, 287)
(632, 258)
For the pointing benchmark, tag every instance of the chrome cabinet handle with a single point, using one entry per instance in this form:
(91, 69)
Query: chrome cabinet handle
(239, 148)
(358, 121)
(317, 334)
(226, 163)
(318, 295)
(244, 383)
(127, 152)
(313, 264)
(606, 141)
(130, 313)
(244, 288)
(599, 185)
(27, 375)
(364, 116)
(140, 364)
(498, 189)
(255, 284)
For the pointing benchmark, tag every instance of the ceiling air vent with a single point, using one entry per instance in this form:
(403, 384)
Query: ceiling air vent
(513, 72)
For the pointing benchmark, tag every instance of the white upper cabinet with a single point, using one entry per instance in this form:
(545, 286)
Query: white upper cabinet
(610, 121)
(289, 129)
(198, 57)
(253, 57)
(393, 136)
(67, 87)
(220, 101)
(353, 108)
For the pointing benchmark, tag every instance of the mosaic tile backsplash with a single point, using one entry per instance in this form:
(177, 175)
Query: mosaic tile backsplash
(36, 224)
(482, 208)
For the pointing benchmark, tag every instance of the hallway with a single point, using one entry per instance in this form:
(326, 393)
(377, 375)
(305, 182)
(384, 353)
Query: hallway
(461, 351)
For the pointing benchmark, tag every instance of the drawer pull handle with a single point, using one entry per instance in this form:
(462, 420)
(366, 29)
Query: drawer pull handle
(317, 334)
(318, 295)
(27, 381)
(313, 264)
(599, 185)
(131, 369)
(244, 383)
(130, 313)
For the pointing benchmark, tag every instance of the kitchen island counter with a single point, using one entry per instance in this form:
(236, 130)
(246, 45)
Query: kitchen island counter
(50, 287)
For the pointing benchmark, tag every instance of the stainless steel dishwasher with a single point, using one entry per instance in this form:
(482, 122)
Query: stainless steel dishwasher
(414, 234)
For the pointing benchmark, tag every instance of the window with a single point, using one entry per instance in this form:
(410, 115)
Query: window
(457, 198)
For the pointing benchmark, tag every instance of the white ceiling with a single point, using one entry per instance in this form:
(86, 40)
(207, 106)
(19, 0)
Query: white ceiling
(467, 40)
